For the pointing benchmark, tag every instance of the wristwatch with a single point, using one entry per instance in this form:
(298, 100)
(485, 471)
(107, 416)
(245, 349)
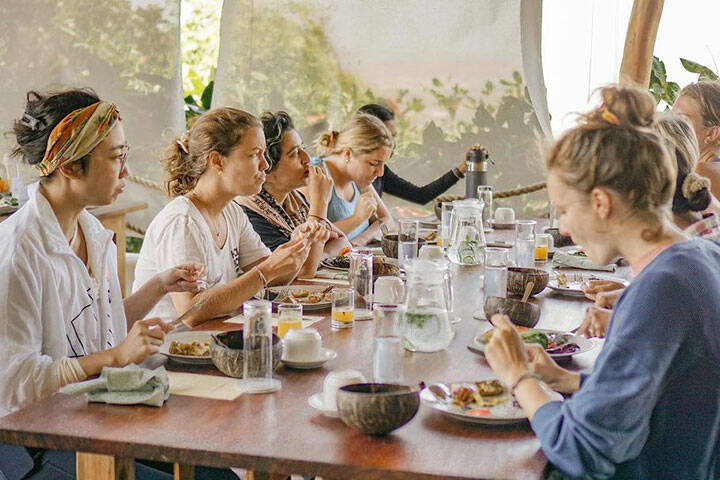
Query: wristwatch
(456, 171)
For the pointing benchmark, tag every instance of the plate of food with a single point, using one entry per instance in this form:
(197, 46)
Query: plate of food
(570, 283)
(381, 265)
(486, 401)
(311, 297)
(557, 344)
(192, 348)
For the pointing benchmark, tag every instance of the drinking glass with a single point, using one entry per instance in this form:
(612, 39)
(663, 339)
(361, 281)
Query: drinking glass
(445, 223)
(496, 272)
(408, 233)
(485, 193)
(388, 354)
(290, 317)
(542, 247)
(361, 280)
(257, 348)
(525, 243)
(343, 308)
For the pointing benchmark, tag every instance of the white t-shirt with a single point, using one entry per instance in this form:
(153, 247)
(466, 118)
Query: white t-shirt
(180, 234)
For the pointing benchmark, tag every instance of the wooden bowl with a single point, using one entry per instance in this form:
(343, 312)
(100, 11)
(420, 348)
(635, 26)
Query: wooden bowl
(521, 313)
(377, 408)
(226, 351)
(519, 277)
(389, 244)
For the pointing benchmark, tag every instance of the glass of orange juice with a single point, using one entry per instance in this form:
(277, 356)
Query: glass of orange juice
(343, 308)
(542, 246)
(290, 317)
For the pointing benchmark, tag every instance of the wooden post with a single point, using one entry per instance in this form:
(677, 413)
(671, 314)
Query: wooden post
(183, 472)
(92, 466)
(640, 42)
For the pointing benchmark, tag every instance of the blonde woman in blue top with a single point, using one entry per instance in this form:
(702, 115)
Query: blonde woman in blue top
(355, 156)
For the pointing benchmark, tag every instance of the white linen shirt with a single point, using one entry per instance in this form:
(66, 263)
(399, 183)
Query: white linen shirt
(50, 305)
(179, 234)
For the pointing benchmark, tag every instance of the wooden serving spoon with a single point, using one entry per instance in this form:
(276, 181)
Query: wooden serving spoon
(528, 289)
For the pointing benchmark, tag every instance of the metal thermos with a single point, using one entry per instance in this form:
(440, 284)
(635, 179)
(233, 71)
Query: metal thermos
(476, 174)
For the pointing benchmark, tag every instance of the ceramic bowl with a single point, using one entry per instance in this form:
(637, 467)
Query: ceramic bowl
(226, 351)
(389, 244)
(559, 240)
(377, 408)
(521, 313)
(519, 277)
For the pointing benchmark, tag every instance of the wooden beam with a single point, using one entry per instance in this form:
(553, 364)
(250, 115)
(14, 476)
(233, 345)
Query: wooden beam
(640, 42)
(183, 472)
(92, 466)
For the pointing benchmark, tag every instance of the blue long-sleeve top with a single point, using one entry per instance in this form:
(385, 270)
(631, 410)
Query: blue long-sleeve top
(651, 408)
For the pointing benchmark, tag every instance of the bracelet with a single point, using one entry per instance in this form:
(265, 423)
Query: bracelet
(262, 277)
(521, 378)
(456, 171)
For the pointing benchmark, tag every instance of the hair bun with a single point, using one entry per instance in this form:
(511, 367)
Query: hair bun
(625, 106)
(693, 183)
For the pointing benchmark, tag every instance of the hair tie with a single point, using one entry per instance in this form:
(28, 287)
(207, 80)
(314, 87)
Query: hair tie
(182, 143)
(31, 122)
(607, 115)
(694, 183)
(334, 134)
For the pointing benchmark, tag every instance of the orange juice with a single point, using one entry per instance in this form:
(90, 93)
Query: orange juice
(344, 316)
(541, 253)
(285, 324)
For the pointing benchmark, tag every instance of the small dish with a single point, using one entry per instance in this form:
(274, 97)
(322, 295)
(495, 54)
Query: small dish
(583, 344)
(326, 355)
(575, 281)
(187, 337)
(502, 226)
(316, 402)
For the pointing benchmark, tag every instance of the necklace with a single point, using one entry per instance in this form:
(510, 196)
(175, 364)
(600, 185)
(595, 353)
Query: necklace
(213, 225)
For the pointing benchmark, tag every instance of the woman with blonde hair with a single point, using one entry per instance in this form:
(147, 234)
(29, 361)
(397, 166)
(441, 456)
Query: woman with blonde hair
(355, 156)
(700, 104)
(612, 180)
(221, 157)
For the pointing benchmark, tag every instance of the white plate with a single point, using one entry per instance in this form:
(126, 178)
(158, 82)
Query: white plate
(575, 279)
(325, 262)
(316, 402)
(326, 355)
(503, 414)
(585, 344)
(186, 337)
(307, 307)
(502, 226)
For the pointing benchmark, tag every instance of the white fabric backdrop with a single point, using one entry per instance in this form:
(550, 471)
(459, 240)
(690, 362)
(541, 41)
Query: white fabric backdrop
(127, 50)
(431, 61)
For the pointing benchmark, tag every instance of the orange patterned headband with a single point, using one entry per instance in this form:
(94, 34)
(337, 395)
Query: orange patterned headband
(607, 115)
(78, 134)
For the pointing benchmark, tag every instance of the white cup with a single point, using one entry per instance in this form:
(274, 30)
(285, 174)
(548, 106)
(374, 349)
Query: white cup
(334, 381)
(504, 215)
(431, 252)
(302, 345)
(389, 290)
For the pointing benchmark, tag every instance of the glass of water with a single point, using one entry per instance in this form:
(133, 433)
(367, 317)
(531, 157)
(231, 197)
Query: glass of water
(361, 281)
(525, 243)
(388, 354)
(445, 223)
(408, 232)
(485, 193)
(496, 272)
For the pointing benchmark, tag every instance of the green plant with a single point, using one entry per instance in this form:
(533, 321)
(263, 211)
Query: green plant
(666, 91)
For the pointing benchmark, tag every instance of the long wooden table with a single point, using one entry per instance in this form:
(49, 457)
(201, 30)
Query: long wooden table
(280, 432)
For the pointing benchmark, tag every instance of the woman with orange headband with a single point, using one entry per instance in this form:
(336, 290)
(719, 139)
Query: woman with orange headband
(64, 316)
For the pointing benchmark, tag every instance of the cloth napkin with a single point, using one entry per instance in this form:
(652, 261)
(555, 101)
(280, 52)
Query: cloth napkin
(331, 275)
(565, 260)
(125, 386)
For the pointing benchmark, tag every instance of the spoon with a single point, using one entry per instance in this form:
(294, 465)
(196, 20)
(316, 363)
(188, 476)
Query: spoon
(528, 289)
(439, 392)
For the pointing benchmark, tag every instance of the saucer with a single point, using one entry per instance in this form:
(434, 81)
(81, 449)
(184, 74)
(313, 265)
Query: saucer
(316, 401)
(502, 225)
(327, 354)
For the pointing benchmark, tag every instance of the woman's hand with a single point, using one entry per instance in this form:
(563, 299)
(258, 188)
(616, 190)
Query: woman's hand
(462, 166)
(608, 299)
(596, 322)
(505, 352)
(182, 278)
(319, 186)
(144, 338)
(314, 232)
(591, 288)
(286, 260)
(548, 371)
(366, 206)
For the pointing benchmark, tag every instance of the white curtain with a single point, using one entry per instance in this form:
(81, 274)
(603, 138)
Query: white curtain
(127, 50)
(453, 71)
